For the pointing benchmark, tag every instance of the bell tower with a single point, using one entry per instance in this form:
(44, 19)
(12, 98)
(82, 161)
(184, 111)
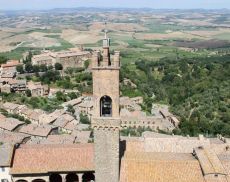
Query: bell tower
(106, 116)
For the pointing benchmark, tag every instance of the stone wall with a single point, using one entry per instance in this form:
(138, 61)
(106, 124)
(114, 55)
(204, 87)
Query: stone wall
(107, 155)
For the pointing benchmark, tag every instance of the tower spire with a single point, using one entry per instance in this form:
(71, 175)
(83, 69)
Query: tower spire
(105, 30)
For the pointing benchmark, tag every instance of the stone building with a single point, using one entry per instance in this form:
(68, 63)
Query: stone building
(70, 58)
(37, 89)
(106, 116)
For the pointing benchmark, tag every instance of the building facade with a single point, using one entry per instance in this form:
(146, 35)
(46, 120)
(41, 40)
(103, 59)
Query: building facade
(106, 116)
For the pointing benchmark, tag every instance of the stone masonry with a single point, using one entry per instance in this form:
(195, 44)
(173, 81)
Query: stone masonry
(106, 124)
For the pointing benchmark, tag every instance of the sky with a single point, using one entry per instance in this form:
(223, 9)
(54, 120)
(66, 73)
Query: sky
(156, 4)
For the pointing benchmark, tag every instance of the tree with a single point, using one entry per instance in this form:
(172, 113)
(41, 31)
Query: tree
(50, 67)
(36, 68)
(3, 59)
(84, 119)
(70, 109)
(28, 93)
(43, 68)
(28, 58)
(20, 69)
(60, 96)
(58, 66)
(50, 76)
(29, 67)
(86, 64)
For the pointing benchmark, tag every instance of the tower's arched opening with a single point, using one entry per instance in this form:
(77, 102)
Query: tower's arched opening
(72, 177)
(55, 178)
(38, 180)
(106, 106)
(88, 177)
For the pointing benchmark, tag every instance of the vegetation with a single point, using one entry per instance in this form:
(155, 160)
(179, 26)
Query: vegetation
(196, 89)
(16, 116)
(58, 66)
(3, 59)
(43, 103)
(137, 132)
(84, 119)
(70, 109)
(20, 69)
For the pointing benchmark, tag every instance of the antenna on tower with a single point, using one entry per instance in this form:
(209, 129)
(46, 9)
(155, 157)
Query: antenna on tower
(105, 30)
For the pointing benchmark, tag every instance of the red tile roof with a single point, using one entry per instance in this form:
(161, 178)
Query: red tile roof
(34, 159)
(160, 167)
(11, 63)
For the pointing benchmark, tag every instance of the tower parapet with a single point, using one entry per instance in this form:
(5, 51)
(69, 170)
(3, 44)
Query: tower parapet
(108, 61)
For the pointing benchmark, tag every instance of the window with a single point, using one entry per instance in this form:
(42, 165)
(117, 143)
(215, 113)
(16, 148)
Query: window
(106, 106)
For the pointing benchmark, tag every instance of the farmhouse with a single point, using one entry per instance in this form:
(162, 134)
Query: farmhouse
(71, 58)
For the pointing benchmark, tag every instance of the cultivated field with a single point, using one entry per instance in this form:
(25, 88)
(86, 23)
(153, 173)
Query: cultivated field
(154, 34)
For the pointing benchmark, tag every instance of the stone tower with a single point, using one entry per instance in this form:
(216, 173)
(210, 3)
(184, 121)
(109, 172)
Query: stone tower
(106, 116)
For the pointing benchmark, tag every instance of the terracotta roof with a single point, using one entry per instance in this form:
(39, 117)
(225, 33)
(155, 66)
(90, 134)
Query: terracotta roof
(59, 139)
(209, 161)
(72, 125)
(86, 104)
(83, 136)
(2, 117)
(160, 167)
(6, 153)
(35, 130)
(73, 102)
(11, 63)
(165, 112)
(83, 126)
(63, 120)
(10, 137)
(10, 124)
(9, 105)
(33, 159)
(49, 118)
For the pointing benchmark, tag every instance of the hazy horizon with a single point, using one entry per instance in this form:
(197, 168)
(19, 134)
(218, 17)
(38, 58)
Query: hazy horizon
(154, 4)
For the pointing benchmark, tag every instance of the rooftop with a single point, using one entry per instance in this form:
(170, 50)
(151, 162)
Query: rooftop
(35, 130)
(6, 152)
(11, 137)
(10, 124)
(160, 167)
(49, 158)
(11, 63)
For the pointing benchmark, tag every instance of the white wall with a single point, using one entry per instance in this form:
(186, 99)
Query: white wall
(4, 174)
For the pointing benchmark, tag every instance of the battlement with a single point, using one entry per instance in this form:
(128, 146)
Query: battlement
(106, 61)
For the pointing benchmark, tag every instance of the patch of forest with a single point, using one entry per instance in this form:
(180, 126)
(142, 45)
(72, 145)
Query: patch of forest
(198, 91)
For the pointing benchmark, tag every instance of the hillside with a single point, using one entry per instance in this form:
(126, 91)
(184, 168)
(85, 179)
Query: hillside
(196, 89)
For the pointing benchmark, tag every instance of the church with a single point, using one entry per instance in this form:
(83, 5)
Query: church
(111, 158)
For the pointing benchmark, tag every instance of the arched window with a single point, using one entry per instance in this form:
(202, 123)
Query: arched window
(106, 106)
(88, 177)
(72, 177)
(21, 180)
(38, 180)
(55, 178)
